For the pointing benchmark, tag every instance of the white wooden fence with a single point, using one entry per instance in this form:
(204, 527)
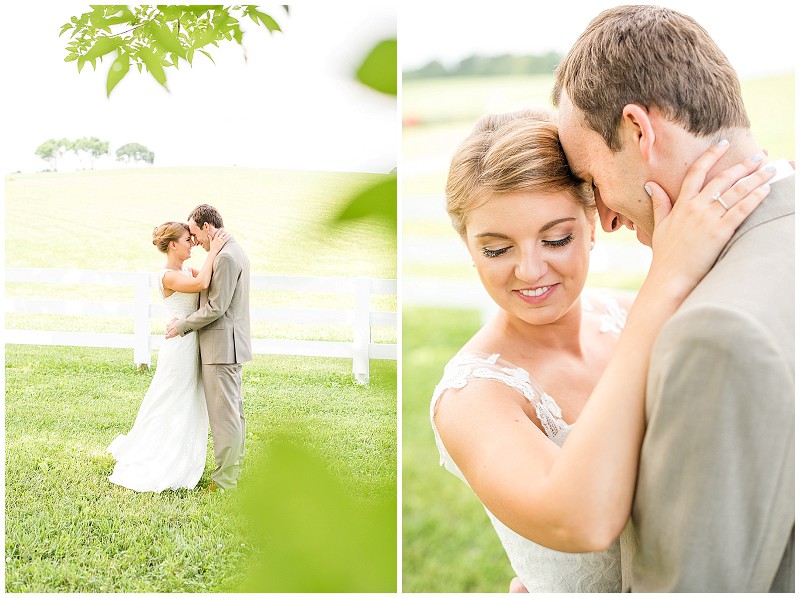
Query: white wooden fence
(361, 318)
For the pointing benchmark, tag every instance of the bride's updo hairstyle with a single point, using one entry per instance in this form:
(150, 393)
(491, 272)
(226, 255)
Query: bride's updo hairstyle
(167, 232)
(509, 153)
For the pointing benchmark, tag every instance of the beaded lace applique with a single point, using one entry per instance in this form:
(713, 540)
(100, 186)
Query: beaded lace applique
(613, 320)
(475, 365)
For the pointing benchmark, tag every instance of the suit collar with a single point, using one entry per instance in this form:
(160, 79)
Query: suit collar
(779, 203)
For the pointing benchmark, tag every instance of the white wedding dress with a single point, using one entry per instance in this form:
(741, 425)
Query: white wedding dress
(166, 448)
(539, 568)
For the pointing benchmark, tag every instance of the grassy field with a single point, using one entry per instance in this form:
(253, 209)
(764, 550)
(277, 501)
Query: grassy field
(313, 434)
(449, 544)
(69, 530)
(103, 220)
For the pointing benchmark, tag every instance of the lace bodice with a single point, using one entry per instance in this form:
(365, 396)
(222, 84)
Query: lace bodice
(179, 304)
(541, 569)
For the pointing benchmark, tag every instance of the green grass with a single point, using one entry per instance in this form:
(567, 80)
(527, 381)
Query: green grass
(449, 544)
(770, 103)
(466, 98)
(69, 530)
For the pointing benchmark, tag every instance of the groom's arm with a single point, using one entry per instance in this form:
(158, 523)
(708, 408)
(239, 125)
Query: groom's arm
(714, 503)
(220, 294)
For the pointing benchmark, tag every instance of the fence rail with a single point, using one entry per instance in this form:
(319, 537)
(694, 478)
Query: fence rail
(361, 318)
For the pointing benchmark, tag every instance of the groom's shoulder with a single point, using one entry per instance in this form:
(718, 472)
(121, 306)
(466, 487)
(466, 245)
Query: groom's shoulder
(233, 251)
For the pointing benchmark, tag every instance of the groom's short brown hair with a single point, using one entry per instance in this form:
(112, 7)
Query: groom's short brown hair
(206, 213)
(650, 56)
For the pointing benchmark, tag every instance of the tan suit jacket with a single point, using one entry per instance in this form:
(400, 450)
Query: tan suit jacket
(223, 320)
(714, 503)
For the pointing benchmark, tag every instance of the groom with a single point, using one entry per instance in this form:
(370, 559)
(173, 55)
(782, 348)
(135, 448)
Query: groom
(223, 331)
(642, 93)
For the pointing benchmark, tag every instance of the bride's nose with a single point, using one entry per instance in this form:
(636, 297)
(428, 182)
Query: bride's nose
(531, 265)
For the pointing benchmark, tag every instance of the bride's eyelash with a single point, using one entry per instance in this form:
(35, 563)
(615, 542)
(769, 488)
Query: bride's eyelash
(560, 242)
(557, 243)
(494, 252)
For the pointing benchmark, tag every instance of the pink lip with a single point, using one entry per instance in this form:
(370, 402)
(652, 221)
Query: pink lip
(535, 300)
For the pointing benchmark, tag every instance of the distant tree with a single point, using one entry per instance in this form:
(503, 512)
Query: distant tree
(487, 66)
(155, 37)
(52, 150)
(89, 148)
(135, 152)
(430, 71)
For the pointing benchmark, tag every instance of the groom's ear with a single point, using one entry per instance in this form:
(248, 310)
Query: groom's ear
(637, 130)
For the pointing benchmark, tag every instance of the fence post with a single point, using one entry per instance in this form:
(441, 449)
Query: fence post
(141, 321)
(361, 330)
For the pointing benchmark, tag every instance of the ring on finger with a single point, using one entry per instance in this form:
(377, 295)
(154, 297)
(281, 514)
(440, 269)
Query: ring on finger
(716, 197)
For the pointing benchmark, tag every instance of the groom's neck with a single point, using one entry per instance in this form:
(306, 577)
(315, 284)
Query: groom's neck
(742, 147)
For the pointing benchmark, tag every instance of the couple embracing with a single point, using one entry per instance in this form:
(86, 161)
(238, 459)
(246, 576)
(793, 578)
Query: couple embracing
(620, 445)
(198, 378)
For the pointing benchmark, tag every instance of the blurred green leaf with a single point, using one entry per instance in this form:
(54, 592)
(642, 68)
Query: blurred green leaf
(312, 536)
(166, 39)
(103, 46)
(119, 68)
(267, 20)
(379, 69)
(211, 58)
(201, 8)
(153, 64)
(378, 200)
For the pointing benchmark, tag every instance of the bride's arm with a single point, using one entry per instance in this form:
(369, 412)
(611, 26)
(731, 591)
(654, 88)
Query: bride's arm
(184, 284)
(578, 498)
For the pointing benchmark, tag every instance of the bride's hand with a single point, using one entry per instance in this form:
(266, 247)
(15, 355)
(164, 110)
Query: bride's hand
(691, 231)
(219, 239)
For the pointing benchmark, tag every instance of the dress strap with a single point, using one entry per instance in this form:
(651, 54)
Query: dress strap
(161, 274)
(469, 366)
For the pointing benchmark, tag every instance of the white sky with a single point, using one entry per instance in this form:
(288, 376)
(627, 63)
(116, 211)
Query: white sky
(757, 37)
(295, 104)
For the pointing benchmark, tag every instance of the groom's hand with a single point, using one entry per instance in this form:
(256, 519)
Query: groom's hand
(172, 332)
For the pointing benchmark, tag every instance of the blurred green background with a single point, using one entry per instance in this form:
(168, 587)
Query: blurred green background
(448, 542)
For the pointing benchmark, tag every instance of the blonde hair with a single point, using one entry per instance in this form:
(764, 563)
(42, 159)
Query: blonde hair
(168, 232)
(508, 153)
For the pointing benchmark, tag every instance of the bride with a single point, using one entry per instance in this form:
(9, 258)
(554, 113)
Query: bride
(541, 413)
(166, 448)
